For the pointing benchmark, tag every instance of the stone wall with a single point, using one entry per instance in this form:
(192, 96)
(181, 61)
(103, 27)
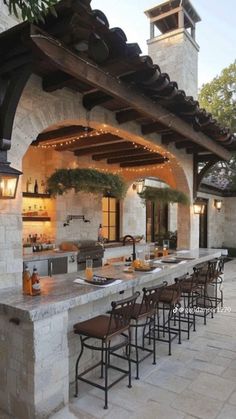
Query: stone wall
(216, 221)
(6, 20)
(39, 110)
(229, 206)
(177, 54)
(32, 380)
(134, 214)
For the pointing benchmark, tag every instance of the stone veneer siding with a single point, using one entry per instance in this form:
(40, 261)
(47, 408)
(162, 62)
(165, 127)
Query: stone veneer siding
(177, 54)
(38, 110)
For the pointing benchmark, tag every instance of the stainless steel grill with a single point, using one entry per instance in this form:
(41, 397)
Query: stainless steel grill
(91, 249)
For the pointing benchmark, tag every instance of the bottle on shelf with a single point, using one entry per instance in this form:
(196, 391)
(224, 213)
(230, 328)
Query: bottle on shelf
(36, 188)
(100, 236)
(43, 187)
(26, 281)
(29, 185)
(35, 281)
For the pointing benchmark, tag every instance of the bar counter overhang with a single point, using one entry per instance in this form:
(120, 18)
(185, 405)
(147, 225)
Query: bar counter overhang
(37, 343)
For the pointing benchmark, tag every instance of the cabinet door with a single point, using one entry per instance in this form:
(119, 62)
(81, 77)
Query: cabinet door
(58, 266)
(41, 265)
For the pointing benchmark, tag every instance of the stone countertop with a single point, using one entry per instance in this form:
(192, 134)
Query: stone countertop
(47, 254)
(59, 293)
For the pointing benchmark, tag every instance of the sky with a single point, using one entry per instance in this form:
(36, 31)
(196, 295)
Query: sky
(215, 34)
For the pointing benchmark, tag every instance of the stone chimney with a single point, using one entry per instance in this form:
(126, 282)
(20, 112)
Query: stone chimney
(172, 43)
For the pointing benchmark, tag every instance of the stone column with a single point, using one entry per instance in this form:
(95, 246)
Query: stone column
(34, 366)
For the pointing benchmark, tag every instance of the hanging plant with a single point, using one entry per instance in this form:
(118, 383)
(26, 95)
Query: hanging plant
(166, 195)
(86, 180)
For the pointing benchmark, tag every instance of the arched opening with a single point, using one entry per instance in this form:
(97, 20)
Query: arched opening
(64, 108)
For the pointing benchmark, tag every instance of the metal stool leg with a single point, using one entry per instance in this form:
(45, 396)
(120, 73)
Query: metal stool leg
(154, 340)
(128, 356)
(102, 359)
(136, 352)
(77, 366)
(106, 375)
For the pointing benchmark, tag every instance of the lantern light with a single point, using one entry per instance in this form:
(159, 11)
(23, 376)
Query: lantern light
(218, 204)
(199, 207)
(138, 186)
(8, 178)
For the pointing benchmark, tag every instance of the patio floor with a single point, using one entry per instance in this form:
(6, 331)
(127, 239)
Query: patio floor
(197, 381)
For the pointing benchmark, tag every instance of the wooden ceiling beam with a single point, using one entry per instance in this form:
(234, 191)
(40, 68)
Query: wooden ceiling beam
(101, 149)
(59, 80)
(60, 134)
(143, 157)
(143, 162)
(120, 153)
(90, 100)
(95, 141)
(183, 144)
(205, 157)
(194, 149)
(154, 127)
(127, 116)
(71, 63)
(166, 139)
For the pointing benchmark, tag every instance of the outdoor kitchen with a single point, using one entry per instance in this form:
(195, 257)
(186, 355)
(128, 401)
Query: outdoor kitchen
(101, 161)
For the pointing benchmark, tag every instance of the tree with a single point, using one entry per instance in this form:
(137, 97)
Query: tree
(31, 10)
(219, 97)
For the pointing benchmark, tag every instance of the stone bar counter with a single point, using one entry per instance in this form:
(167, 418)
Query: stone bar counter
(38, 347)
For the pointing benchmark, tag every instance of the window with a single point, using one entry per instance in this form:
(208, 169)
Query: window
(110, 219)
(156, 220)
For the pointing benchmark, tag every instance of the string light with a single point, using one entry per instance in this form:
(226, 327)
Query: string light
(67, 142)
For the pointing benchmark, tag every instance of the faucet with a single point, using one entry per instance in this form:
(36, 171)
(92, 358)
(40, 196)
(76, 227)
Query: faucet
(133, 241)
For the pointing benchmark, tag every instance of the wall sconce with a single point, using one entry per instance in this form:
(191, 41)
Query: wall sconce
(199, 207)
(9, 178)
(138, 186)
(218, 204)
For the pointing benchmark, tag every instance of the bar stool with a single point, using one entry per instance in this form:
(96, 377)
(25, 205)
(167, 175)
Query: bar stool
(205, 276)
(144, 316)
(169, 300)
(105, 329)
(189, 293)
(218, 282)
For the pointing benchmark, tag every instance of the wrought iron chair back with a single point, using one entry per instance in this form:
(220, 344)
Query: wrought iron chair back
(151, 296)
(121, 313)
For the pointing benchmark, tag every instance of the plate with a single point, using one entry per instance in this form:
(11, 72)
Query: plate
(128, 270)
(170, 260)
(100, 280)
(149, 269)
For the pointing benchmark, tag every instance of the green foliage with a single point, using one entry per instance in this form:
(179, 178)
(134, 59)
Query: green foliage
(219, 97)
(165, 195)
(86, 180)
(31, 10)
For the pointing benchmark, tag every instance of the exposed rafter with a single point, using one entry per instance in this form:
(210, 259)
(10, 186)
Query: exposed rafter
(154, 161)
(142, 157)
(11, 87)
(101, 150)
(127, 116)
(154, 127)
(70, 63)
(121, 153)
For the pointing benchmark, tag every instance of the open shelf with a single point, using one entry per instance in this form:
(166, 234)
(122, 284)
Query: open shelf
(35, 195)
(36, 218)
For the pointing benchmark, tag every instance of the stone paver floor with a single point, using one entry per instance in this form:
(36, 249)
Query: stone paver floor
(197, 381)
